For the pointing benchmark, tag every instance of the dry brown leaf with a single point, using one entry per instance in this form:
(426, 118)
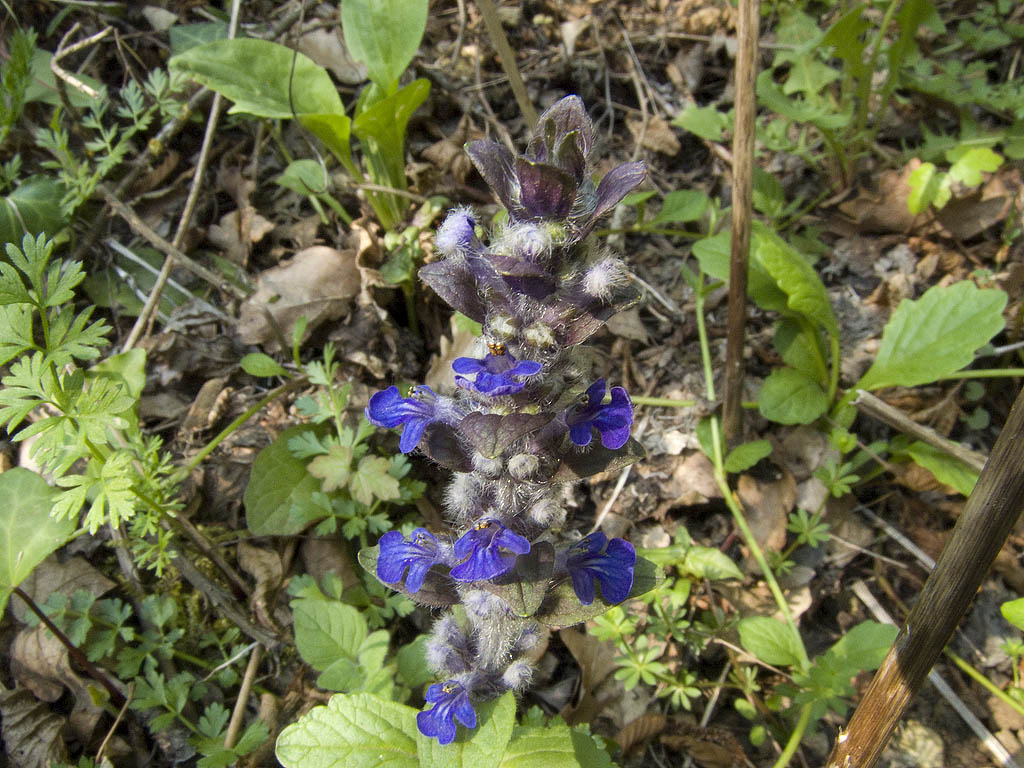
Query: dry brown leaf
(318, 282)
(596, 664)
(659, 136)
(268, 571)
(323, 554)
(709, 747)
(884, 210)
(32, 733)
(327, 48)
(636, 732)
(768, 502)
(627, 325)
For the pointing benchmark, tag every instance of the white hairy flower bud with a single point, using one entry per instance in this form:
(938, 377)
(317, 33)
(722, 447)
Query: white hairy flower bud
(522, 466)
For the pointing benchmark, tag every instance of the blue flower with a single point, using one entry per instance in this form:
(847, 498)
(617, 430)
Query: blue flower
(494, 373)
(480, 545)
(418, 555)
(612, 420)
(451, 702)
(612, 568)
(388, 408)
(457, 234)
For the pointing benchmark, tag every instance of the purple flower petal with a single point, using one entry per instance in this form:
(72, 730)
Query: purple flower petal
(612, 420)
(418, 555)
(611, 566)
(494, 373)
(451, 703)
(615, 185)
(544, 190)
(389, 409)
(495, 164)
(481, 547)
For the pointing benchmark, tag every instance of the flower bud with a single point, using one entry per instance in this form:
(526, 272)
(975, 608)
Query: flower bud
(604, 277)
(484, 604)
(548, 513)
(457, 234)
(522, 466)
(486, 466)
(540, 335)
(518, 675)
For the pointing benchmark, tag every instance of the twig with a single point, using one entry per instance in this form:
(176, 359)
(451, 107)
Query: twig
(116, 696)
(61, 52)
(990, 742)
(879, 409)
(742, 195)
(508, 60)
(158, 242)
(989, 515)
(231, 737)
(117, 721)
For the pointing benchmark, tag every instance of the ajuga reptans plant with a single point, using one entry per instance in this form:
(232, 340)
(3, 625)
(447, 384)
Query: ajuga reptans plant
(521, 423)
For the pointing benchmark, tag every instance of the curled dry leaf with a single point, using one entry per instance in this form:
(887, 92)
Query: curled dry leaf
(768, 502)
(709, 747)
(318, 282)
(268, 571)
(32, 733)
(636, 732)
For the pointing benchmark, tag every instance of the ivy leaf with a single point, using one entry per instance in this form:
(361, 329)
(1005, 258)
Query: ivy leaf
(358, 729)
(27, 531)
(372, 478)
(935, 336)
(333, 468)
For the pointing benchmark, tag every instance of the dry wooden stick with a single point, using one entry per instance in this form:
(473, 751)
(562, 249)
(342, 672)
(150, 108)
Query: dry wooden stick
(987, 519)
(895, 418)
(742, 197)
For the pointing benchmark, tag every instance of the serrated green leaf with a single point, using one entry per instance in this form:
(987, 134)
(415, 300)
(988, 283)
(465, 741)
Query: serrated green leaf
(326, 630)
(262, 78)
(279, 487)
(935, 336)
(333, 468)
(28, 534)
(969, 166)
(746, 455)
(261, 365)
(483, 747)
(358, 730)
(771, 641)
(384, 35)
(789, 396)
(371, 479)
(946, 469)
(554, 746)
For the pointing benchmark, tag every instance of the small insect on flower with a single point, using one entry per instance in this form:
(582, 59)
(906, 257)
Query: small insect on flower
(451, 703)
(589, 560)
(481, 545)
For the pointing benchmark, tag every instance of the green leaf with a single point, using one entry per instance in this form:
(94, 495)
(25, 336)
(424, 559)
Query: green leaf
(681, 206)
(862, 648)
(278, 499)
(799, 345)
(789, 396)
(554, 746)
(358, 730)
(483, 747)
(708, 563)
(262, 78)
(1013, 612)
(332, 638)
(746, 455)
(371, 479)
(771, 641)
(333, 468)
(935, 336)
(971, 163)
(924, 185)
(27, 532)
(706, 122)
(713, 254)
(185, 36)
(305, 176)
(805, 293)
(946, 469)
(31, 209)
(385, 35)
(335, 131)
(261, 365)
